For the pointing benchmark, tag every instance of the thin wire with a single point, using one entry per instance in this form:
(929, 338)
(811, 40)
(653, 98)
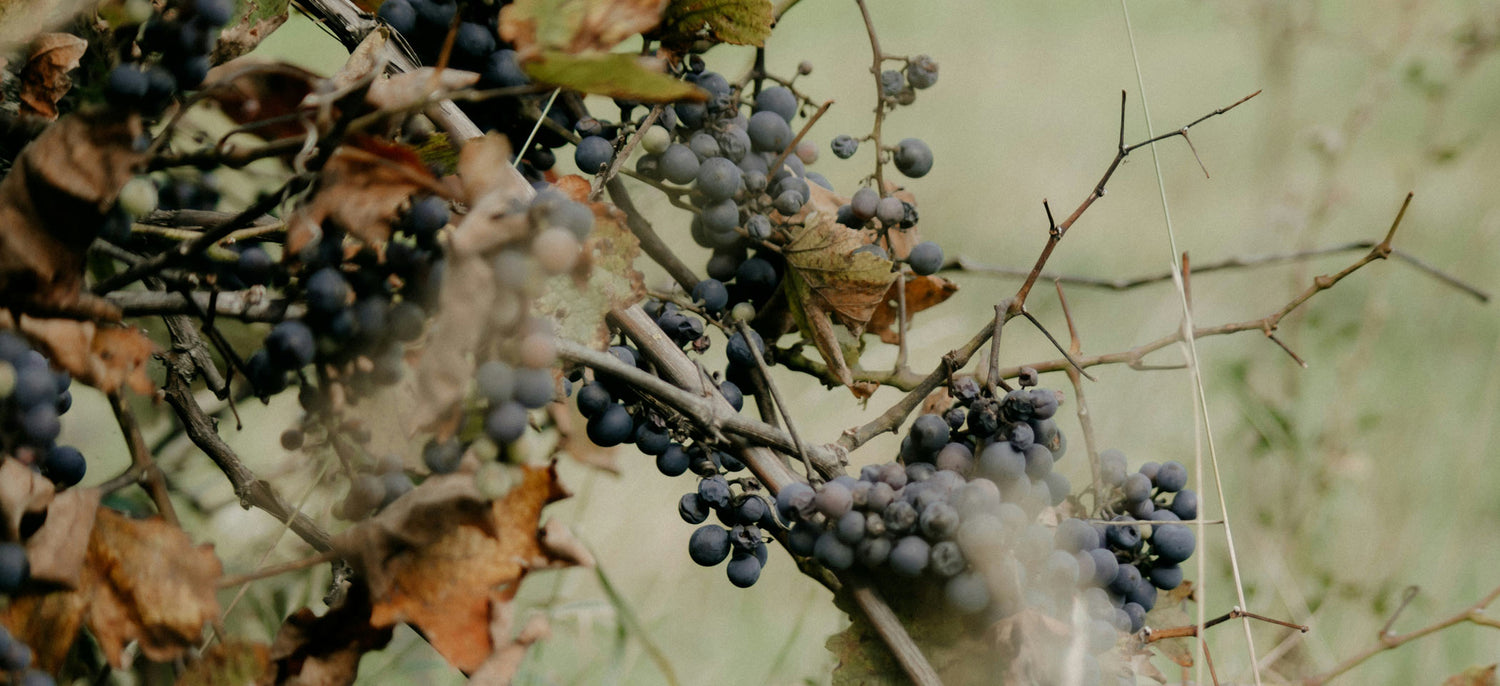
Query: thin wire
(1201, 411)
(540, 118)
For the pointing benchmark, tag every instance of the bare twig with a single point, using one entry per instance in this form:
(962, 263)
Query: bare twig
(786, 415)
(251, 305)
(252, 491)
(142, 468)
(966, 265)
(893, 417)
(878, 58)
(1473, 614)
(623, 153)
(277, 570)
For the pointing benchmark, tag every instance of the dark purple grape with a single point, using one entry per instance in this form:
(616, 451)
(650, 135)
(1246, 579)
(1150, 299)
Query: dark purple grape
(712, 294)
(744, 569)
(709, 545)
(15, 569)
(505, 423)
(290, 345)
(593, 154)
(692, 508)
(910, 556)
(1185, 504)
(610, 427)
(1171, 477)
(913, 158)
(714, 490)
(1172, 542)
(64, 465)
(832, 552)
(873, 552)
(795, 501)
(673, 461)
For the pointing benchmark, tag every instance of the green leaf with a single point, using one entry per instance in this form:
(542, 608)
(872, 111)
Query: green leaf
(579, 305)
(739, 22)
(621, 76)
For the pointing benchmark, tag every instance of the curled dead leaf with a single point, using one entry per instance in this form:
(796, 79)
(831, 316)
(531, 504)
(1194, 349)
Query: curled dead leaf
(58, 549)
(44, 79)
(150, 585)
(52, 205)
(362, 188)
(106, 357)
(447, 585)
(252, 89)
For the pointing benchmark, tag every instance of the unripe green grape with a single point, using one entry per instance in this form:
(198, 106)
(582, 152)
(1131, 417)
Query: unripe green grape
(138, 197)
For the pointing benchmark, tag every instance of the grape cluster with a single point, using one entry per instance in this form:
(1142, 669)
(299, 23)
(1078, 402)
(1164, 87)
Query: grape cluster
(33, 398)
(1150, 552)
(173, 54)
(477, 47)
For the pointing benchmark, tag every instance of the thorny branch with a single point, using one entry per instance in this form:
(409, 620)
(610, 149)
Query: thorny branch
(892, 418)
(966, 265)
(1473, 614)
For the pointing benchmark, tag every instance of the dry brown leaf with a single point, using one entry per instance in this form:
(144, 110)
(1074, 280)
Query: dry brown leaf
(1027, 642)
(44, 79)
(922, 292)
(484, 168)
(22, 491)
(574, 186)
(362, 188)
(52, 204)
(563, 547)
(576, 26)
(936, 402)
(142, 581)
(252, 89)
(324, 651)
(154, 586)
(106, 357)
(48, 622)
(58, 549)
(446, 586)
(240, 37)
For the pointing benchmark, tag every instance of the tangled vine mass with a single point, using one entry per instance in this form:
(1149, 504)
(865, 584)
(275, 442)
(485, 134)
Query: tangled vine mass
(454, 310)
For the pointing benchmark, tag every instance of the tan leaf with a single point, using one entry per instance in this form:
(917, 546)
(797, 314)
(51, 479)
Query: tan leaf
(576, 26)
(58, 549)
(324, 651)
(922, 292)
(405, 90)
(574, 186)
(502, 665)
(447, 586)
(152, 585)
(484, 168)
(563, 547)
(52, 204)
(362, 188)
(142, 581)
(253, 89)
(22, 490)
(44, 79)
(1473, 676)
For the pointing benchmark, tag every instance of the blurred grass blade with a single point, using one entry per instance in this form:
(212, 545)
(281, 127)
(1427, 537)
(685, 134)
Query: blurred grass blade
(630, 622)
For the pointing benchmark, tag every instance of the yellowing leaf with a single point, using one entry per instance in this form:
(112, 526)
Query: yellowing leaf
(621, 76)
(575, 26)
(829, 283)
(740, 22)
(1473, 676)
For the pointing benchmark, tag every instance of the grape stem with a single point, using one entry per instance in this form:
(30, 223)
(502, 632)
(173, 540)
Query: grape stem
(1085, 418)
(623, 154)
(651, 243)
(201, 429)
(786, 416)
(879, 97)
(143, 469)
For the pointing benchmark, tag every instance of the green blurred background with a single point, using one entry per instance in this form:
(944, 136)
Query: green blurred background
(1347, 481)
